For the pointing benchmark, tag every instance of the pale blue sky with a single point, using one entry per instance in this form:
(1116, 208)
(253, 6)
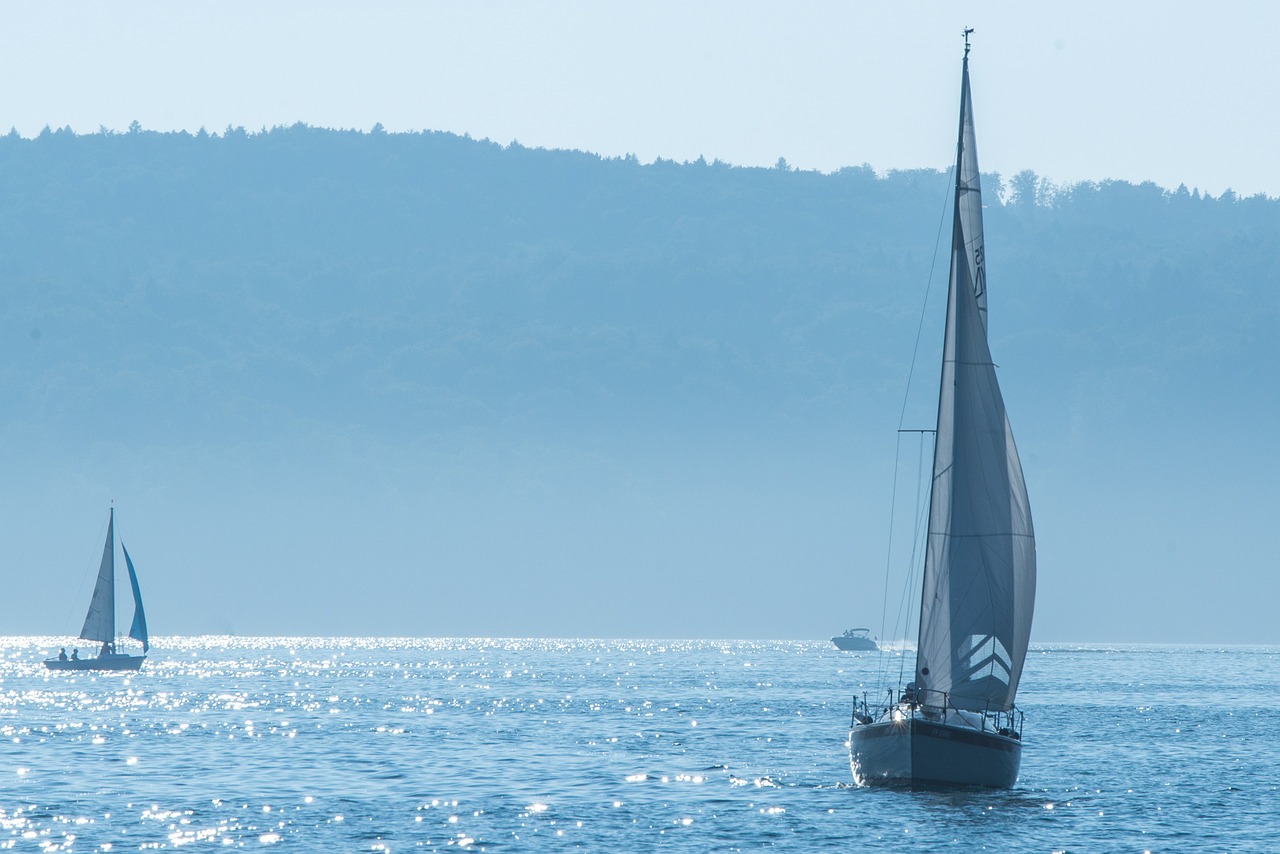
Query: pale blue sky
(1166, 91)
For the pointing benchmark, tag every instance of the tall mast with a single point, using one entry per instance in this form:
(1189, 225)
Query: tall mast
(942, 378)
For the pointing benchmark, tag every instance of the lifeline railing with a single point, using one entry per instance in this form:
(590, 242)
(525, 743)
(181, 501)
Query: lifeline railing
(1006, 722)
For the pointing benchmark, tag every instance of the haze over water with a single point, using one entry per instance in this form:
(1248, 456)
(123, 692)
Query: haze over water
(484, 744)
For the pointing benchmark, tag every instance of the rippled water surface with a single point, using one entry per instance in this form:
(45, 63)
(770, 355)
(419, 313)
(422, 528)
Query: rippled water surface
(393, 744)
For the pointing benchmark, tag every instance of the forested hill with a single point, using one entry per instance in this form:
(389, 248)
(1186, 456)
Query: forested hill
(307, 292)
(369, 277)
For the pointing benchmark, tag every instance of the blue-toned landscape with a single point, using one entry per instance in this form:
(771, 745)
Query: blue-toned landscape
(458, 427)
(301, 357)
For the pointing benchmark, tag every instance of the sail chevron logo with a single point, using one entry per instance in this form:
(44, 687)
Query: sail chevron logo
(984, 656)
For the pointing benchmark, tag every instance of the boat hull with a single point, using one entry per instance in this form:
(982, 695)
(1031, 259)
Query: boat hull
(922, 753)
(854, 644)
(102, 662)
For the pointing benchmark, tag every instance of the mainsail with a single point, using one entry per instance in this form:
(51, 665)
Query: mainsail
(100, 622)
(980, 563)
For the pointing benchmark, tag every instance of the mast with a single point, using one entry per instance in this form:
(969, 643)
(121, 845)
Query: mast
(922, 669)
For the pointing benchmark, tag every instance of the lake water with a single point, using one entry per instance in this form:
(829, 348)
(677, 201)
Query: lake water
(498, 745)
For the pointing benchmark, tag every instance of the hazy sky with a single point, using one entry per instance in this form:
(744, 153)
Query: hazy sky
(1174, 92)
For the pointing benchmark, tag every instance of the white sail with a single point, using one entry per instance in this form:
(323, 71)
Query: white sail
(980, 564)
(100, 622)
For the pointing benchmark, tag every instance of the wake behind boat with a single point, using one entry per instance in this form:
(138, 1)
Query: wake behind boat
(855, 640)
(955, 723)
(100, 622)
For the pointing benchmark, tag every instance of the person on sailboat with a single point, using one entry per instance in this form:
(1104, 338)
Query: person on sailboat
(105, 651)
(62, 653)
(75, 654)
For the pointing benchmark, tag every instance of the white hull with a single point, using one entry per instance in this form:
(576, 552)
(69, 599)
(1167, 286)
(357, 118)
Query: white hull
(913, 751)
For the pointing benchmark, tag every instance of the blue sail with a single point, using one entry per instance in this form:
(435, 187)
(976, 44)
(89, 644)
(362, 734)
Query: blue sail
(138, 631)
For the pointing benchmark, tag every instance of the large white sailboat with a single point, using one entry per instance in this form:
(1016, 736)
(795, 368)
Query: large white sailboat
(100, 621)
(955, 723)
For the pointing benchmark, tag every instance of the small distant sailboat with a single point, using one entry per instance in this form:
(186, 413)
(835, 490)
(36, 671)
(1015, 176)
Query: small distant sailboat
(100, 622)
(855, 640)
(955, 723)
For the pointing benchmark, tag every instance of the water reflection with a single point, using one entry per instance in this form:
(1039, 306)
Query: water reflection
(382, 744)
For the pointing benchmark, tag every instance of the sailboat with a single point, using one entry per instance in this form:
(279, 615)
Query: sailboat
(955, 723)
(100, 622)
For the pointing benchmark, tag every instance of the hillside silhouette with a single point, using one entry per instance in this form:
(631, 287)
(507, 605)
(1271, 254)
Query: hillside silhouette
(245, 309)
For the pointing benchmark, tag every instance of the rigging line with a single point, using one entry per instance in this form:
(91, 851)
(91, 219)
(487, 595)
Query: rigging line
(75, 603)
(884, 605)
(902, 415)
(919, 534)
(903, 621)
(933, 265)
(919, 546)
